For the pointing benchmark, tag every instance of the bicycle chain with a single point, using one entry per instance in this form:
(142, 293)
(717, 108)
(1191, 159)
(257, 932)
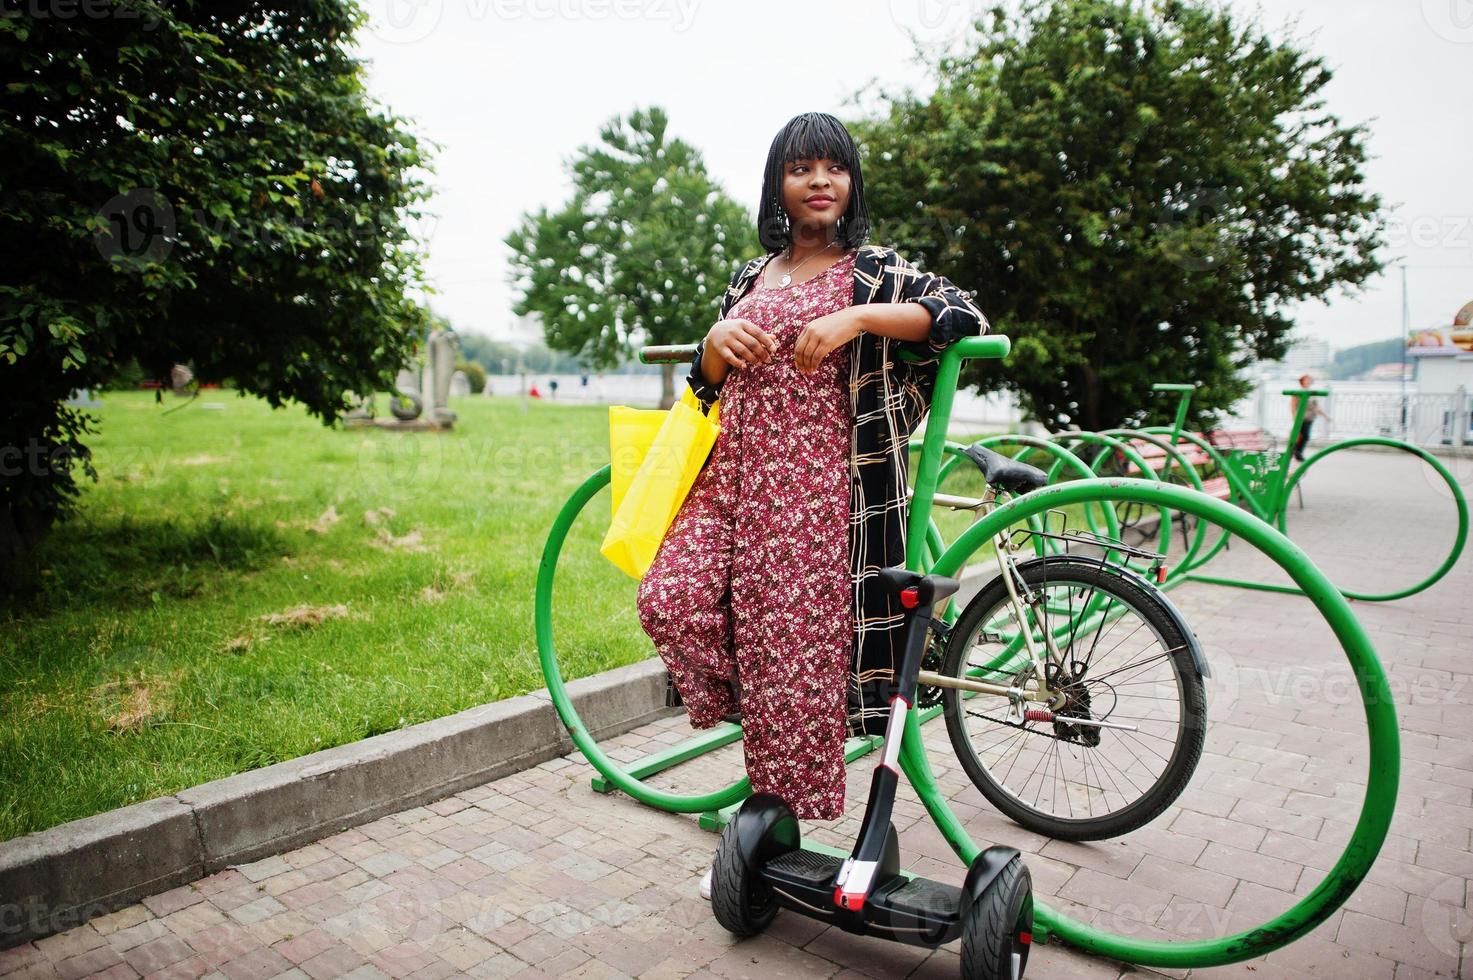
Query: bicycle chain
(1024, 727)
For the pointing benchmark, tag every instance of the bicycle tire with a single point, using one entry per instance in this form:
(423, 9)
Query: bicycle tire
(1136, 597)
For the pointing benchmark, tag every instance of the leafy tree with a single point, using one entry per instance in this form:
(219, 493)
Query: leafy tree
(1136, 191)
(487, 352)
(641, 253)
(189, 182)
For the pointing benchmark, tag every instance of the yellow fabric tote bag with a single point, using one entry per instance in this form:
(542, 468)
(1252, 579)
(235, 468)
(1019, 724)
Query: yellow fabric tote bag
(655, 456)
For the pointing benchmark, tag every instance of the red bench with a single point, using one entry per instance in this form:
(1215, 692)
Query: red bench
(1159, 460)
(1246, 440)
(1223, 440)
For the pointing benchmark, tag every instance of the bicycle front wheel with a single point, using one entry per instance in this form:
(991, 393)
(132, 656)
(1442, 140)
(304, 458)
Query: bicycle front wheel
(1123, 660)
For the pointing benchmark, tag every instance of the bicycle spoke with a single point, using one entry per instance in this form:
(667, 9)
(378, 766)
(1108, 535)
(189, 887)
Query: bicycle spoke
(1107, 655)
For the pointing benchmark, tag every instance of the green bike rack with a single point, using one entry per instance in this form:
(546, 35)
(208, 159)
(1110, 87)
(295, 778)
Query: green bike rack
(1271, 503)
(1281, 519)
(1384, 768)
(1181, 461)
(1376, 811)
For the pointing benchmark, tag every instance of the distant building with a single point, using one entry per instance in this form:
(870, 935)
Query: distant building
(1444, 355)
(1307, 356)
(1391, 371)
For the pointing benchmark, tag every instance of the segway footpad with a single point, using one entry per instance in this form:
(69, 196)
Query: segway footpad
(806, 869)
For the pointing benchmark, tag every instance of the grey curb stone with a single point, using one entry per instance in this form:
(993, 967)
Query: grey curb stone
(59, 878)
(56, 879)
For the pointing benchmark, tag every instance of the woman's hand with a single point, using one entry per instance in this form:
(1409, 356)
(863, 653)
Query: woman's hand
(825, 334)
(741, 343)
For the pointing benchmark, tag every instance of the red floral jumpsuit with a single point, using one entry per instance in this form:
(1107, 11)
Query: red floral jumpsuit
(753, 575)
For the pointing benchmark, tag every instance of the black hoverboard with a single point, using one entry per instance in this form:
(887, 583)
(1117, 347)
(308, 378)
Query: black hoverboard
(761, 865)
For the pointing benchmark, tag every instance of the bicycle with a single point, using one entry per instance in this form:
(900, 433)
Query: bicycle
(1068, 678)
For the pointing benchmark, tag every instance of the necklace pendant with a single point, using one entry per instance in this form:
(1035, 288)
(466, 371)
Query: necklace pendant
(785, 279)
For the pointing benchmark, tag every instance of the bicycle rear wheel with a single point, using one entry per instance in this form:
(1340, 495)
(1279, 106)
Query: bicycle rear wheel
(1125, 661)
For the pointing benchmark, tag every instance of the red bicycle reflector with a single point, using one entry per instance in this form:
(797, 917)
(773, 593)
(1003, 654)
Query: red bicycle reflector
(910, 598)
(1160, 574)
(1026, 938)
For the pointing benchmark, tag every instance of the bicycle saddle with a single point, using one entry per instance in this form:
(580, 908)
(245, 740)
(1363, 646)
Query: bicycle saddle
(1003, 473)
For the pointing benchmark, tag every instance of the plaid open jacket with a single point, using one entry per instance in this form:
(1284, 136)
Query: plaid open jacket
(888, 398)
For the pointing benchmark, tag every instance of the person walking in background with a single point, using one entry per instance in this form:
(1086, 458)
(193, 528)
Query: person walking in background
(1311, 412)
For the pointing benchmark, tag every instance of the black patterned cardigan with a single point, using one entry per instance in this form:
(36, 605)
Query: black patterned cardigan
(888, 398)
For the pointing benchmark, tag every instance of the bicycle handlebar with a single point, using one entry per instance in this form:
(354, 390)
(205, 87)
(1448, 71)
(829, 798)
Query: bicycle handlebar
(1163, 386)
(968, 348)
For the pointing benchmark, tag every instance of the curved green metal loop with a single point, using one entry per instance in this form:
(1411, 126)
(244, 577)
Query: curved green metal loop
(1163, 536)
(547, 654)
(1461, 502)
(1238, 493)
(1241, 494)
(1384, 768)
(1179, 566)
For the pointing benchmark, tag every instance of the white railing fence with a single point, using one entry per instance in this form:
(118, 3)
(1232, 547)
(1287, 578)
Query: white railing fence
(1365, 409)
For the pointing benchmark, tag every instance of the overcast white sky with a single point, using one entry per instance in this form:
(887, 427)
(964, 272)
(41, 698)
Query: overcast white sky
(512, 88)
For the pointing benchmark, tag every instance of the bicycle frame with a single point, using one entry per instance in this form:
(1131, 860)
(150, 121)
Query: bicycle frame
(1020, 602)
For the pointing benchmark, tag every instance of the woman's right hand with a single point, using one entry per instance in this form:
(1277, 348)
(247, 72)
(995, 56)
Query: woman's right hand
(741, 343)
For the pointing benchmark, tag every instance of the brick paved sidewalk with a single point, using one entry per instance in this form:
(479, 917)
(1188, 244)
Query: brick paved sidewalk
(536, 875)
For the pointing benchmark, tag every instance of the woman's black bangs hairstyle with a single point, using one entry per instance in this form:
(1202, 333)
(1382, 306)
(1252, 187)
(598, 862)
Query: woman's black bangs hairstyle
(812, 135)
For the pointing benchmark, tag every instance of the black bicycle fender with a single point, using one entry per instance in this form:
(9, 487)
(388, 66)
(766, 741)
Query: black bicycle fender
(1194, 647)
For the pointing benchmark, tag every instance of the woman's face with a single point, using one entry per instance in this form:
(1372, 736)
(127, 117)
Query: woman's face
(815, 194)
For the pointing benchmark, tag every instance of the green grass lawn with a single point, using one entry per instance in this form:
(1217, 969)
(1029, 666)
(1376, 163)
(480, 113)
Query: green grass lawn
(244, 586)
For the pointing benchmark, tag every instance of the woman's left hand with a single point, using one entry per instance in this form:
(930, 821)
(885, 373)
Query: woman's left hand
(823, 335)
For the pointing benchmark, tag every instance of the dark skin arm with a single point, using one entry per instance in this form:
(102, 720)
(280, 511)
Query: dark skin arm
(739, 343)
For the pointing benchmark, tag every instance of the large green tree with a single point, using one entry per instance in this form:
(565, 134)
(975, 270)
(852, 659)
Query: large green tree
(200, 182)
(1138, 192)
(640, 254)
